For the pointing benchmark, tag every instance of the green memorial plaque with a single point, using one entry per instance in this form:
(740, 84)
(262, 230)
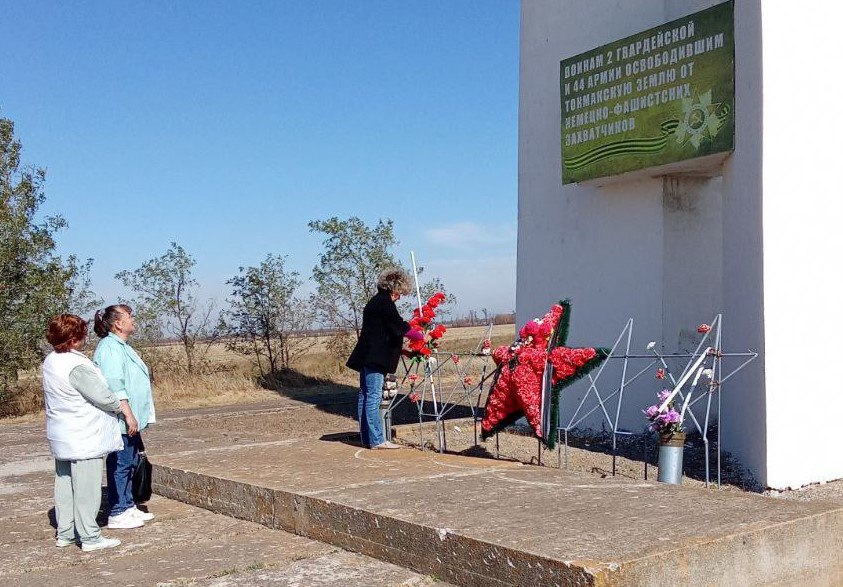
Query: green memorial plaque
(661, 96)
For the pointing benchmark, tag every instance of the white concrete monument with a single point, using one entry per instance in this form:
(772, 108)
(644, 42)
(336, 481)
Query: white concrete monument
(651, 188)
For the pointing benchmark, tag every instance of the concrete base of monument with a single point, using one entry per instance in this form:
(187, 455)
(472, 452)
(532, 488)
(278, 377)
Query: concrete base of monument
(491, 523)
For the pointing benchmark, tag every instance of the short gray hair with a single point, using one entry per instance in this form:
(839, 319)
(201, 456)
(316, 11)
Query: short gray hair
(394, 280)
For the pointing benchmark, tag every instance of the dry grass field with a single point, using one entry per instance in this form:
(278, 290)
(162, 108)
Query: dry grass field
(233, 378)
(230, 378)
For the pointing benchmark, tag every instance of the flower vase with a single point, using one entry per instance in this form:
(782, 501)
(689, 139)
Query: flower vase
(671, 446)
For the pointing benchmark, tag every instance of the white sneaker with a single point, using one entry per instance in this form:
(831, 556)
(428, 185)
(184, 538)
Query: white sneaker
(64, 542)
(124, 521)
(140, 515)
(100, 544)
(387, 445)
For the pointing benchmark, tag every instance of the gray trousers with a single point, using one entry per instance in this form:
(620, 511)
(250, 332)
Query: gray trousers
(78, 495)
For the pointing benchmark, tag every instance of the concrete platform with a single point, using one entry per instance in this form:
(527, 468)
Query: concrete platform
(492, 523)
(183, 546)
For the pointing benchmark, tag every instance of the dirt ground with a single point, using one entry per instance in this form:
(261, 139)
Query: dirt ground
(589, 452)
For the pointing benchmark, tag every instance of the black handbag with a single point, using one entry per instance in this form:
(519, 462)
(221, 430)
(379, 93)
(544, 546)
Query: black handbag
(142, 479)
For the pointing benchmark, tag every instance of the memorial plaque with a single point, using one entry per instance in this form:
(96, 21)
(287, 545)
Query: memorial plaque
(664, 95)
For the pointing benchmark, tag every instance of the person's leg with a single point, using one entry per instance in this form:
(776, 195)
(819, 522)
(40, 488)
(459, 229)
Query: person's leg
(374, 395)
(64, 504)
(120, 466)
(87, 494)
(361, 410)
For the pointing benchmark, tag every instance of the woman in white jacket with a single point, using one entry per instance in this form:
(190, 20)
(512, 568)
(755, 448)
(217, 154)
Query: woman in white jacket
(82, 427)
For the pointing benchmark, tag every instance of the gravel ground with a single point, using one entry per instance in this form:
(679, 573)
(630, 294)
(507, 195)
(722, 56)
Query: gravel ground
(592, 453)
(586, 452)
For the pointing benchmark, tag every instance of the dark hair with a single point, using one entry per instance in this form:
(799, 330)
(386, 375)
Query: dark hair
(64, 330)
(104, 319)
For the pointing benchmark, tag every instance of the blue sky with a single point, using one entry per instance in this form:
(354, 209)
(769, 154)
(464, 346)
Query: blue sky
(227, 126)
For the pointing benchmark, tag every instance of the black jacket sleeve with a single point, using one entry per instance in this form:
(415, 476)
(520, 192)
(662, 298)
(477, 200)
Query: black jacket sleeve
(393, 322)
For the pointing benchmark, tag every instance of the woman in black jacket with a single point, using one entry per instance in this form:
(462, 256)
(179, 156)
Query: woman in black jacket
(377, 352)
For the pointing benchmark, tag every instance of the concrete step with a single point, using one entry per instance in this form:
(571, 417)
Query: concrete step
(491, 523)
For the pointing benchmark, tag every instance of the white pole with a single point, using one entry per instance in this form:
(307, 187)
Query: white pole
(688, 396)
(416, 277)
(684, 379)
(427, 370)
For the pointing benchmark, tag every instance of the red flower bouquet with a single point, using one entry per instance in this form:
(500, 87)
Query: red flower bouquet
(420, 350)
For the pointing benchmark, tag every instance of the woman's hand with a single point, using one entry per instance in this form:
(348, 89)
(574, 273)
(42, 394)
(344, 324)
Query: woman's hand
(131, 421)
(131, 424)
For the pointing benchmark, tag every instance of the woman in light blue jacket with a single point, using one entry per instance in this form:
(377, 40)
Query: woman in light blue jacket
(128, 377)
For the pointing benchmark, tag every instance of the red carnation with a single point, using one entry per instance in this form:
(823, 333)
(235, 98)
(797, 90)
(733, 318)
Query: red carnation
(438, 331)
(531, 328)
(415, 345)
(455, 359)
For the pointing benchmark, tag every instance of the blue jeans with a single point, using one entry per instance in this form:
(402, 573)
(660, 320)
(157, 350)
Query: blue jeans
(120, 467)
(368, 404)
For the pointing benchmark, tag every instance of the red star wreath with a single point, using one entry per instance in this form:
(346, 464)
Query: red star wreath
(520, 389)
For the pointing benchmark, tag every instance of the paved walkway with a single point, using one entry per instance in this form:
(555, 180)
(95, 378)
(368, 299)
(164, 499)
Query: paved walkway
(184, 545)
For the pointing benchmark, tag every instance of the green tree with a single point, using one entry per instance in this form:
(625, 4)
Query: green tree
(347, 274)
(346, 277)
(166, 303)
(35, 282)
(265, 319)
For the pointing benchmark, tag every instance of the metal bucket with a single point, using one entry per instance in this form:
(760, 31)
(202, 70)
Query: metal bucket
(671, 447)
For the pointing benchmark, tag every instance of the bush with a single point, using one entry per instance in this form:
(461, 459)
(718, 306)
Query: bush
(24, 398)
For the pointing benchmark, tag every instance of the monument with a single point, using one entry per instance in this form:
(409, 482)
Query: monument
(677, 159)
